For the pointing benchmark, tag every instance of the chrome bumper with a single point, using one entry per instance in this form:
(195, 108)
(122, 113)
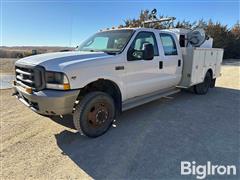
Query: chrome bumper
(48, 102)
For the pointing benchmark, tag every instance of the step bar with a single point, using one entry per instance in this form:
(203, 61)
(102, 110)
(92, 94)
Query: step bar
(139, 100)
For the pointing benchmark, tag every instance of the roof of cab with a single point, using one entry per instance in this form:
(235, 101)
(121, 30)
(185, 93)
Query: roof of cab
(136, 29)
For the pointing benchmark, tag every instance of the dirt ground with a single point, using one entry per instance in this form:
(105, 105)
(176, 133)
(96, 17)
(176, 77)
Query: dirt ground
(148, 141)
(7, 65)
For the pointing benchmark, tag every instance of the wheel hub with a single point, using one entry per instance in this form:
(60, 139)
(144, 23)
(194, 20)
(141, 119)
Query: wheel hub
(98, 114)
(101, 116)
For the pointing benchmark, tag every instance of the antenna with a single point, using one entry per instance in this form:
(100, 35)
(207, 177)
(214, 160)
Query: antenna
(71, 29)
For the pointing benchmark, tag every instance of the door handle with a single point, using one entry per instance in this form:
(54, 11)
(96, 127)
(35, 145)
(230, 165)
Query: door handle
(179, 62)
(119, 68)
(160, 64)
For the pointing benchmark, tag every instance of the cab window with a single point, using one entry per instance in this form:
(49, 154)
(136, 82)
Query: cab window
(135, 51)
(169, 45)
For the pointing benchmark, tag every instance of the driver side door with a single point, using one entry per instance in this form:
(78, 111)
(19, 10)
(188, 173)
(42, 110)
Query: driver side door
(141, 75)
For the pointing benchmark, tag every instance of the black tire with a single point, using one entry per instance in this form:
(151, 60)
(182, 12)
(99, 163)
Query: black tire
(94, 114)
(203, 87)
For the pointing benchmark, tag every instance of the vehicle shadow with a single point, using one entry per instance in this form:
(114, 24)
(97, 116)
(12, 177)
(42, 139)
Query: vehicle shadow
(64, 121)
(150, 141)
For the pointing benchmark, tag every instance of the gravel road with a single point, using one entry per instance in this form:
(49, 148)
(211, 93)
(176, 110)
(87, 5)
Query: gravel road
(149, 141)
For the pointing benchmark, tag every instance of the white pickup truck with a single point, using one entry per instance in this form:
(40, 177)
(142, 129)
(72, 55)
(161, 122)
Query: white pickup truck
(112, 71)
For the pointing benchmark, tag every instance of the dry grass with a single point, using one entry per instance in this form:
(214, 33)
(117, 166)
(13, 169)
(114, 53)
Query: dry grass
(23, 51)
(7, 65)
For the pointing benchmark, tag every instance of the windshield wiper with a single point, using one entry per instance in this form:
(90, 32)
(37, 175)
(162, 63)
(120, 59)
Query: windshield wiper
(111, 52)
(107, 52)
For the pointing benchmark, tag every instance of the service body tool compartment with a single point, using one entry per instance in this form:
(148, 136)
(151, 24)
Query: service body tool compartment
(197, 61)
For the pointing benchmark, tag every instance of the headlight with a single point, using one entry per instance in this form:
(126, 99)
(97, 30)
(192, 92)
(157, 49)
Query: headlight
(56, 80)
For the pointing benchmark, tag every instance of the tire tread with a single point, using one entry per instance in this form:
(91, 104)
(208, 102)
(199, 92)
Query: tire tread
(81, 107)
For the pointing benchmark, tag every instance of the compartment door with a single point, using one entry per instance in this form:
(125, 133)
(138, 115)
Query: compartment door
(198, 66)
(210, 60)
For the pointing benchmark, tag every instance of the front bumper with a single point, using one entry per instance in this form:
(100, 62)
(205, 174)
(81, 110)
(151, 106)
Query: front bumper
(48, 102)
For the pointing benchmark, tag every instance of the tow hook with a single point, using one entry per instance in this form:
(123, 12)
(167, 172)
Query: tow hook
(15, 93)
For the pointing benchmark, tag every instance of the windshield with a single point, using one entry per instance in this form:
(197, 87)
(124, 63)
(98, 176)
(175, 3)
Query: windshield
(108, 41)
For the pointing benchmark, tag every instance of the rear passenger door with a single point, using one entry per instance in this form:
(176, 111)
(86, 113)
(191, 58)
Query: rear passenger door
(170, 60)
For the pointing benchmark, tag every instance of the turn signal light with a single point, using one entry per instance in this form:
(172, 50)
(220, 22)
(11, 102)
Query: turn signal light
(28, 90)
(66, 86)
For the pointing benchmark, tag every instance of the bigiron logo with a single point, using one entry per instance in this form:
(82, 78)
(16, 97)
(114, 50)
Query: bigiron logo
(202, 171)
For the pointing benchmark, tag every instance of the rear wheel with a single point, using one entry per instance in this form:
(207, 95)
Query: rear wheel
(94, 114)
(203, 87)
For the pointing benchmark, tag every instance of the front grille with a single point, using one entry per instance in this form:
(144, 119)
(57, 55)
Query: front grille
(30, 77)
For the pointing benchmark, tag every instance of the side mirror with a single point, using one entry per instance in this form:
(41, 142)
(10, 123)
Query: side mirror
(148, 52)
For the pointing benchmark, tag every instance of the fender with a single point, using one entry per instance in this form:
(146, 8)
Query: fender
(116, 80)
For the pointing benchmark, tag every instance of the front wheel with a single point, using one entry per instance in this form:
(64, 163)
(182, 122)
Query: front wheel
(203, 87)
(94, 114)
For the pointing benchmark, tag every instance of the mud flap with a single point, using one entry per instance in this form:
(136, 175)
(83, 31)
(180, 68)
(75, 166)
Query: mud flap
(212, 85)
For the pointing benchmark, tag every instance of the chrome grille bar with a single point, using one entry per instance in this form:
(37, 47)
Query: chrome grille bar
(24, 80)
(23, 72)
(30, 76)
(25, 77)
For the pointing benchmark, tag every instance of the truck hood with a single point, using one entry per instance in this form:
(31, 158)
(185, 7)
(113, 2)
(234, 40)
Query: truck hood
(61, 59)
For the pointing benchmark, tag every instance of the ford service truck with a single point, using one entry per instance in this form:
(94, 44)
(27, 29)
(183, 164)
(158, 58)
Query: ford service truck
(115, 70)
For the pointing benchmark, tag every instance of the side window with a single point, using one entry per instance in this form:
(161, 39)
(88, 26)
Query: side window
(169, 45)
(138, 44)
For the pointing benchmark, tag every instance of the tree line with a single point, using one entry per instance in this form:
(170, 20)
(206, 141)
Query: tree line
(223, 36)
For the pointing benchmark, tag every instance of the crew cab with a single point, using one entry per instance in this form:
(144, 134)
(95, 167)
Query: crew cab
(112, 71)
